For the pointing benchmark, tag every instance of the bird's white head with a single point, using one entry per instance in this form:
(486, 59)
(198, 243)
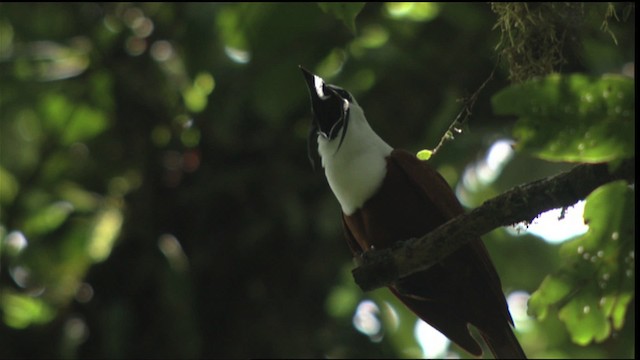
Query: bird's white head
(352, 154)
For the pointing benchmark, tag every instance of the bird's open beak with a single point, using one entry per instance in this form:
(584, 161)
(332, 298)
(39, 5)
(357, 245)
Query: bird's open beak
(314, 83)
(314, 130)
(318, 92)
(327, 106)
(330, 111)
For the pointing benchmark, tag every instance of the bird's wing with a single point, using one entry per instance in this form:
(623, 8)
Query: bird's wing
(437, 191)
(356, 250)
(475, 271)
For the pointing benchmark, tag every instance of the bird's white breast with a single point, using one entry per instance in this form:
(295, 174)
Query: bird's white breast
(356, 170)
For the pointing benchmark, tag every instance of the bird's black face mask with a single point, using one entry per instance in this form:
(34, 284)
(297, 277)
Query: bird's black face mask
(330, 109)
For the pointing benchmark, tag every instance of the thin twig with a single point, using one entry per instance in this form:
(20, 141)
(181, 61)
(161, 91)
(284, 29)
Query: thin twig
(465, 113)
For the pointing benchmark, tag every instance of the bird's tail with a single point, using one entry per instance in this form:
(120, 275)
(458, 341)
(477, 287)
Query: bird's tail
(504, 345)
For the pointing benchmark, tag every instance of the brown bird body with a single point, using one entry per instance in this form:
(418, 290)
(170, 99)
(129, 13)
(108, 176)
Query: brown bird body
(389, 195)
(462, 289)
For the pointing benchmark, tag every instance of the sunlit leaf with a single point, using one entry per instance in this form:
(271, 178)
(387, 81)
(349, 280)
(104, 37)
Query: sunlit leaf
(594, 287)
(424, 154)
(552, 290)
(6, 39)
(373, 37)
(194, 99)
(85, 123)
(343, 298)
(56, 111)
(48, 218)
(81, 199)
(616, 308)
(341, 301)
(47, 60)
(619, 309)
(414, 11)
(20, 311)
(71, 122)
(585, 319)
(60, 266)
(572, 118)
(104, 234)
(346, 12)
(230, 27)
(332, 63)
(205, 82)
(8, 186)
(609, 213)
(196, 95)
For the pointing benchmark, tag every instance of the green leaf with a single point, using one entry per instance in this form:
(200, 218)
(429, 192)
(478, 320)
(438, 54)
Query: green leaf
(48, 219)
(344, 297)
(413, 11)
(572, 118)
(70, 122)
(107, 227)
(9, 186)
(20, 311)
(552, 290)
(85, 123)
(594, 287)
(424, 154)
(585, 319)
(56, 111)
(346, 12)
(81, 199)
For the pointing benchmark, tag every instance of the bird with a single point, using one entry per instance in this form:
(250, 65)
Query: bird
(388, 195)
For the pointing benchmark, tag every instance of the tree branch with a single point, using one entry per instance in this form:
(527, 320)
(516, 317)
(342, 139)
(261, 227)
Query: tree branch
(522, 203)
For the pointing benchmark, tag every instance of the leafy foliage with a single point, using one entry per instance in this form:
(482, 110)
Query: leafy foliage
(346, 12)
(596, 282)
(572, 118)
(578, 118)
(156, 199)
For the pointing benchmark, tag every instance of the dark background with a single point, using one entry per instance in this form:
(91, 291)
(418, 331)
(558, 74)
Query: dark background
(154, 161)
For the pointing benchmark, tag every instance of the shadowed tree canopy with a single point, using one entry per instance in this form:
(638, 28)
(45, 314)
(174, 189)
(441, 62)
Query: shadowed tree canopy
(157, 201)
